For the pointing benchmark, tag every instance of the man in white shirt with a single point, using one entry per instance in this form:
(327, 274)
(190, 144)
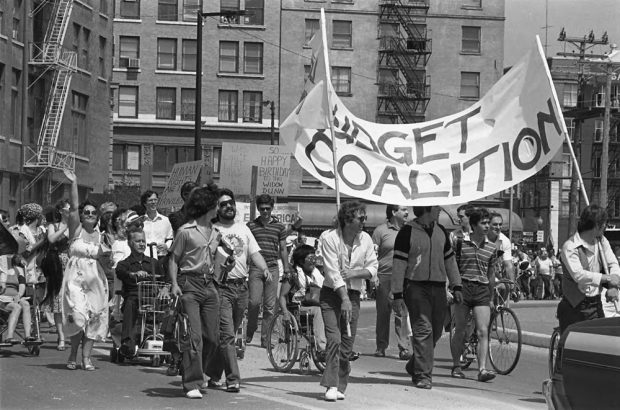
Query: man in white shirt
(157, 227)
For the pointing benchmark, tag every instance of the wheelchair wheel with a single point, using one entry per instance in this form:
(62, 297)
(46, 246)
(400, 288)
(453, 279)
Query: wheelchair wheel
(156, 361)
(34, 350)
(282, 339)
(318, 361)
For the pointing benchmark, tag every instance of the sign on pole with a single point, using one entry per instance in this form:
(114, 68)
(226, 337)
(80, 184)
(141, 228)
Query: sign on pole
(284, 213)
(273, 165)
(181, 173)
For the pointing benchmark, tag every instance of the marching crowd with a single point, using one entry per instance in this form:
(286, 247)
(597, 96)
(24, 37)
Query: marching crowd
(87, 261)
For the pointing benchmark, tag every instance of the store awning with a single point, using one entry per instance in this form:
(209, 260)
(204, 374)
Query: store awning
(322, 214)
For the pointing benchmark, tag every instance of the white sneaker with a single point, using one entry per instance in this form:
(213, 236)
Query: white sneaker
(331, 394)
(193, 394)
(339, 395)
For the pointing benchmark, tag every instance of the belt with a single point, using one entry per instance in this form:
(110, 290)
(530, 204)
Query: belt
(236, 281)
(196, 274)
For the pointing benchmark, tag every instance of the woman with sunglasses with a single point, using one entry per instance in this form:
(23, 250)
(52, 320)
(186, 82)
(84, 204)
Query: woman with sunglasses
(84, 290)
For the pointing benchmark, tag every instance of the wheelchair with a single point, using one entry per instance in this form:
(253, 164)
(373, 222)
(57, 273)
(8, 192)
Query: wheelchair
(33, 344)
(284, 339)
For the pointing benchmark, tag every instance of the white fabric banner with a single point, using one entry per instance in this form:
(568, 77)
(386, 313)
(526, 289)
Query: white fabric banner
(501, 140)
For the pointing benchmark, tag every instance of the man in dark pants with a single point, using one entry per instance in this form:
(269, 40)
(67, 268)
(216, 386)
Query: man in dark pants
(137, 267)
(419, 280)
(233, 290)
(590, 265)
(191, 274)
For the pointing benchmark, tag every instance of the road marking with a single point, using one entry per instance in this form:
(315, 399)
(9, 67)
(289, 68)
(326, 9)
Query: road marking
(280, 400)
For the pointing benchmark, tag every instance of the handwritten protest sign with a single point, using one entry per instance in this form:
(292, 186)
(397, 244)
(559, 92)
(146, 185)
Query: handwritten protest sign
(181, 173)
(273, 163)
(507, 136)
(284, 213)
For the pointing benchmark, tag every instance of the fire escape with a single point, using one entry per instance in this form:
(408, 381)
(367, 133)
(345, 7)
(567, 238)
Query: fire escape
(404, 50)
(51, 56)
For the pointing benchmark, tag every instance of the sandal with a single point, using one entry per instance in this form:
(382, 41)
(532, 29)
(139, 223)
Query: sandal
(87, 365)
(72, 365)
(457, 373)
(61, 346)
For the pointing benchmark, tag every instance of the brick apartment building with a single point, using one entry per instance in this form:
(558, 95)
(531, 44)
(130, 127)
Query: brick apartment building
(54, 93)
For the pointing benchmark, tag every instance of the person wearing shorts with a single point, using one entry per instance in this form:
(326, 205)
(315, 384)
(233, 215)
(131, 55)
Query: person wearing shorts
(476, 265)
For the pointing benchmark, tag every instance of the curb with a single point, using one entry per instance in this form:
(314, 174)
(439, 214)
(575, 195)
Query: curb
(535, 339)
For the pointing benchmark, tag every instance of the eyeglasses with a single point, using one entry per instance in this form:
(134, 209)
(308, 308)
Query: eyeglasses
(310, 258)
(89, 213)
(362, 218)
(265, 209)
(224, 204)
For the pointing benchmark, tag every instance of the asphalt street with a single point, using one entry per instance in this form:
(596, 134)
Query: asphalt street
(43, 382)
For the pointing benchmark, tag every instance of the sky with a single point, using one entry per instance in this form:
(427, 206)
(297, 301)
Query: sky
(526, 18)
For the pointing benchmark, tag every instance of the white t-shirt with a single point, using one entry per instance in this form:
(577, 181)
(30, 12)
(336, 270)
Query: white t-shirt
(503, 244)
(244, 245)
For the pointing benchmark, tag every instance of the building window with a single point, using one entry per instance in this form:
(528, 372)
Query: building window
(129, 49)
(84, 61)
(600, 97)
(15, 108)
(472, 4)
(341, 80)
(598, 130)
(166, 103)
(17, 32)
(252, 106)
(130, 9)
(229, 57)
(596, 166)
(79, 126)
(188, 55)
(188, 104)
(342, 36)
(190, 10)
(167, 10)
(1, 78)
(232, 6)
(470, 42)
(616, 207)
(125, 157)
(470, 85)
(570, 95)
(255, 12)
(312, 26)
(253, 58)
(75, 43)
(164, 157)
(570, 127)
(166, 53)
(128, 101)
(102, 57)
(103, 7)
(228, 103)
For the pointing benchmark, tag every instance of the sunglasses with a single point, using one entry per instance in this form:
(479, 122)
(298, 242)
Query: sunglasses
(224, 204)
(310, 258)
(362, 218)
(89, 213)
(265, 209)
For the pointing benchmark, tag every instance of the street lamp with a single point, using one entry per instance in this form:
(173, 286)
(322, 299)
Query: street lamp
(198, 97)
(271, 106)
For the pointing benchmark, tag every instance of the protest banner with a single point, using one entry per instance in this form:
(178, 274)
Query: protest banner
(507, 136)
(284, 213)
(273, 168)
(182, 172)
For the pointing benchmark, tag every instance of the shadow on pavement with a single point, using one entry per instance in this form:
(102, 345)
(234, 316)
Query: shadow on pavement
(164, 392)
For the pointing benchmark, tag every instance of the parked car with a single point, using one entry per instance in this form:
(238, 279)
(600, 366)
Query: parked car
(586, 374)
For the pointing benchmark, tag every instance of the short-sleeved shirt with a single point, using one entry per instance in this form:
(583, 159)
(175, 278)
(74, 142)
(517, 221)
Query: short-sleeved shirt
(191, 249)
(544, 267)
(475, 260)
(268, 237)
(384, 237)
(244, 245)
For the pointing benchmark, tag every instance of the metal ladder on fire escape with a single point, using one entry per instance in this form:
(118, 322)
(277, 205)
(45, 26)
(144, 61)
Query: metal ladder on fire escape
(404, 86)
(51, 56)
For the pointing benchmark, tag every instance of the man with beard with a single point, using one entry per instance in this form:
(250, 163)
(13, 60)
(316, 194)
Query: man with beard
(233, 290)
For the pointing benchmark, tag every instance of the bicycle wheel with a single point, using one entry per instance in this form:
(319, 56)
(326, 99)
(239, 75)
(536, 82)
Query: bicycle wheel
(553, 350)
(282, 337)
(504, 340)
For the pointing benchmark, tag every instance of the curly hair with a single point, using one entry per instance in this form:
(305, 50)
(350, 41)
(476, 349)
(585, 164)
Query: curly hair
(301, 253)
(593, 216)
(201, 200)
(348, 211)
(146, 195)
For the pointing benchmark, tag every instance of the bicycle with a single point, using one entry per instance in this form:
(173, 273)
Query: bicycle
(284, 337)
(505, 337)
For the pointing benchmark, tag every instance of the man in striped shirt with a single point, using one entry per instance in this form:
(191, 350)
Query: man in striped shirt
(476, 266)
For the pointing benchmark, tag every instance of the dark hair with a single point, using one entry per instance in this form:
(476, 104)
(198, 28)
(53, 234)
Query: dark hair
(133, 229)
(264, 199)
(347, 211)
(201, 201)
(187, 187)
(300, 253)
(139, 209)
(592, 216)
(55, 215)
(421, 210)
(390, 209)
(476, 215)
(146, 195)
(225, 191)
(495, 215)
(467, 208)
(115, 215)
(88, 203)
(105, 222)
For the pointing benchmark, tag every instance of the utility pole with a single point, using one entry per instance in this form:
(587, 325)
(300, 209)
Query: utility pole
(583, 44)
(605, 152)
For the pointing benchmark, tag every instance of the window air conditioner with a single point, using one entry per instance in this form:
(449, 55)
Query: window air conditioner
(133, 63)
